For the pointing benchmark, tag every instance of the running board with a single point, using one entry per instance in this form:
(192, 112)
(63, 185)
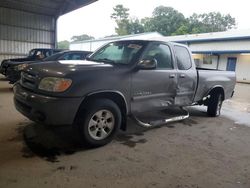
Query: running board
(160, 122)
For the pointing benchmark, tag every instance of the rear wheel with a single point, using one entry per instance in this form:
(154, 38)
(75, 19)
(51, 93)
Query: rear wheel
(214, 105)
(99, 123)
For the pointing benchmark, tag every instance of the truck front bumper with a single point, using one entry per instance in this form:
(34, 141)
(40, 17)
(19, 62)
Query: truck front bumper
(3, 70)
(45, 109)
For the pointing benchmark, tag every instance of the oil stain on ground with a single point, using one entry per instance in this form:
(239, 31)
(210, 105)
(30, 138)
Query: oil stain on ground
(129, 140)
(189, 122)
(49, 143)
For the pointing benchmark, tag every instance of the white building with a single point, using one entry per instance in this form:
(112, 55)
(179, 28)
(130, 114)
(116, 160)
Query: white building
(92, 45)
(228, 50)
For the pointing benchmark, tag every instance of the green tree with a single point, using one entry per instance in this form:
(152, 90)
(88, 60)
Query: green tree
(164, 20)
(120, 15)
(63, 44)
(135, 26)
(182, 30)
(210, 22)
(81, 37)
(169, 21)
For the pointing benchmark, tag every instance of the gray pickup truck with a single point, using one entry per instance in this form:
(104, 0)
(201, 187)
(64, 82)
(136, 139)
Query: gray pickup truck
(122, 78)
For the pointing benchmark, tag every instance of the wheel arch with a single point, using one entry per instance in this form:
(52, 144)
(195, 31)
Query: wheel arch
(113, 95)
(217, 89)
(214, 90)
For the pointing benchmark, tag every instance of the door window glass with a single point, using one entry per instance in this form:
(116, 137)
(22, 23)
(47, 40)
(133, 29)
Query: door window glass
(161, 53)
(183, 58)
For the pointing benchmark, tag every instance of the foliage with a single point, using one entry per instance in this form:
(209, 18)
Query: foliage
(165, 20)
(120, 13)
(168, 21)
(81, 37)
(210, 22)
(120, 16)
(135, 26)
(63, 44)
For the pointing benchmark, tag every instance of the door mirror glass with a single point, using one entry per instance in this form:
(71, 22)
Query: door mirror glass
(147, 64)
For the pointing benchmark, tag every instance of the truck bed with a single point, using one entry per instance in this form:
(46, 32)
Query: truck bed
(210, 78)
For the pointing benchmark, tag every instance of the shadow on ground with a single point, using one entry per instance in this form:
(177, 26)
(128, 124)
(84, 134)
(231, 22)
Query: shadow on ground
(6, 90)
(3, 79)
(50, 143)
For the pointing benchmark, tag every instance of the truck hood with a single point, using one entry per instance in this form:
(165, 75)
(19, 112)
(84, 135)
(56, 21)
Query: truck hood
(65, 67)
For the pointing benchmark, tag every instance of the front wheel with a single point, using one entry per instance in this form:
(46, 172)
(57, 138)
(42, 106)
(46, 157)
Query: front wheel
(214, 105)
(99, 123)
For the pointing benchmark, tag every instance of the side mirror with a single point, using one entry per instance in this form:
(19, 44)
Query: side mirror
(147, 64)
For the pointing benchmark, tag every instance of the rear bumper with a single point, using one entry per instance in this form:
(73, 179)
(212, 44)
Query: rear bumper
(45, 109)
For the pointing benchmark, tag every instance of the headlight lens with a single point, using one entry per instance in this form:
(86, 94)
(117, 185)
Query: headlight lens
(21, 67)
(54, 84)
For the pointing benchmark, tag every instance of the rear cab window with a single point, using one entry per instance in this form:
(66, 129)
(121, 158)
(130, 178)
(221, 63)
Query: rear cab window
(183, 58)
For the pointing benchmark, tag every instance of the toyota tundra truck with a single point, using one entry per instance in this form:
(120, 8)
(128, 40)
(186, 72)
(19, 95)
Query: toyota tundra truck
(123, 78)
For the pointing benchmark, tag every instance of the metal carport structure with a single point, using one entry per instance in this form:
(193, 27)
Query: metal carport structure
(27, 24)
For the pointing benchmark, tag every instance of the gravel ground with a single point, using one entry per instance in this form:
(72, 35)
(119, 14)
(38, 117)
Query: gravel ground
(198, 152)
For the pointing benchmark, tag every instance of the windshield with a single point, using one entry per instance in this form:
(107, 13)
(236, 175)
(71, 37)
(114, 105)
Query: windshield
(39, 53)
(121, 52)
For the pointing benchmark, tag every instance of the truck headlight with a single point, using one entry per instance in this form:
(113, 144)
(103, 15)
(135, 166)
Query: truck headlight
(21, 67)
(54, 84)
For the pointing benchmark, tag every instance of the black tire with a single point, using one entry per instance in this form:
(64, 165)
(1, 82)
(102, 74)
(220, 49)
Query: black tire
(92, 122)
(214, 105)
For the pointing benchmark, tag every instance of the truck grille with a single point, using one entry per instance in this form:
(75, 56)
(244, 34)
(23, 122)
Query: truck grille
(28, 80)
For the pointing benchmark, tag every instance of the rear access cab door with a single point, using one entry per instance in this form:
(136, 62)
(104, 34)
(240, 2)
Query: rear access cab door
(186, 76)
(154, 89)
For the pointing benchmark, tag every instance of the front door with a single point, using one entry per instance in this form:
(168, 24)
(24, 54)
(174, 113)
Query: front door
(154, 89)
(231, 63)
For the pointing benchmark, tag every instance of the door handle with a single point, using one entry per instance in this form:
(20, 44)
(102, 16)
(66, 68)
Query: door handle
(182, 76)
(172, 76)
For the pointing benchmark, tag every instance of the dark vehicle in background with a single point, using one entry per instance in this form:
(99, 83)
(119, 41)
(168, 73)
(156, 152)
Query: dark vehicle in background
(123, 78)
(34, 55)
(13, 72)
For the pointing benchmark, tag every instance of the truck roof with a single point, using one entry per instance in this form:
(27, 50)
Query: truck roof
(159, 39)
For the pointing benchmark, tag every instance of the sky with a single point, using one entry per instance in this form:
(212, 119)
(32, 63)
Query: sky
(95, 20)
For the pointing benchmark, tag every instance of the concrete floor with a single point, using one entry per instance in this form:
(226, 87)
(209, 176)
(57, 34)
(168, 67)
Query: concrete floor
(198, 152)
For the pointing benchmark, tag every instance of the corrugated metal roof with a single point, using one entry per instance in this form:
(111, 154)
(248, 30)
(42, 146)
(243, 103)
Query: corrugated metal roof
(215, 36)
(45, 7)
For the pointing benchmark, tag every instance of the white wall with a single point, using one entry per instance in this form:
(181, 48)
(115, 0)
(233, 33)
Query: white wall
(221, 46)
(242, 66)
(89, 45)
(92, 45)
(213, 65)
